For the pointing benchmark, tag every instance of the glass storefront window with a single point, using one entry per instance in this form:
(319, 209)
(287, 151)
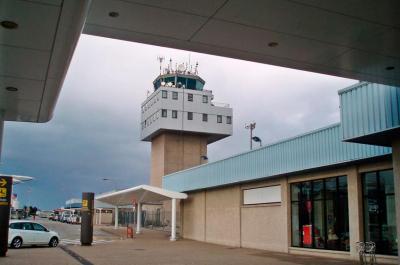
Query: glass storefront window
(379, 211)
(320, 216)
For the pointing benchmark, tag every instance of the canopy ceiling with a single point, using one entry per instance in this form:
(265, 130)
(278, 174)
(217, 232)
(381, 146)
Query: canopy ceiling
(139, 194)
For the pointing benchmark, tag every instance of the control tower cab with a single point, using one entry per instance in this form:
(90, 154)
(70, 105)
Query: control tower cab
(180, 104)
(180, 118)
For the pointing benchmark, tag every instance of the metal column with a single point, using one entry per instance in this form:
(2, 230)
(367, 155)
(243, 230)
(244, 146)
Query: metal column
(5, 204)
(87, 218)
(139, 218)
(116, 217)
(173, 220)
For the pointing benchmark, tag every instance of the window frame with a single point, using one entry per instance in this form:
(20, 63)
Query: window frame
(205, 117)
(205, 99)
(190, 97)
(162, 113)
(174, 114)
(309, 197)
(189, 116)
(381, 198)
(164, 93)
(219, 118)
(175, 95)
(228, 119)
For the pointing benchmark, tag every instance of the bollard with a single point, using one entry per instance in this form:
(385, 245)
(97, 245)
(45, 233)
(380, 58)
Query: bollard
(87, 218)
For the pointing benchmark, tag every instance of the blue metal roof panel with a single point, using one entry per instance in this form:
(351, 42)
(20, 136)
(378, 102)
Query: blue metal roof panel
(368, 108)
(315, 149)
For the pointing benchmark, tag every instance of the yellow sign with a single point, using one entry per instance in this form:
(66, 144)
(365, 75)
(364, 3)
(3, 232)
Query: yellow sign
(3, 192)
(3, 182)
(85, 203)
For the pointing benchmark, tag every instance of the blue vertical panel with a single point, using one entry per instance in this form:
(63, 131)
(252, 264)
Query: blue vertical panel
(312, 150)
(368, 108)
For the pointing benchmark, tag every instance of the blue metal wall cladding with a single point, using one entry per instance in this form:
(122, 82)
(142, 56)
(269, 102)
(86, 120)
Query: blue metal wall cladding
(312, 150)
(368, 108)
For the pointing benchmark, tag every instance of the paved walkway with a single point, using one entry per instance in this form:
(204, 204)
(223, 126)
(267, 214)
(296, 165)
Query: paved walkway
(154, 248)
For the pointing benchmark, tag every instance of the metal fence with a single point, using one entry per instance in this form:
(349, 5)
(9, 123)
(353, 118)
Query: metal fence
(157, 219)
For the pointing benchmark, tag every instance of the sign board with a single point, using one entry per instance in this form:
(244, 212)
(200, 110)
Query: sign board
(5, 204)
(271, 194)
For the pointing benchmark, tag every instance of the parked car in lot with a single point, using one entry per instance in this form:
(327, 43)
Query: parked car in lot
(64, 217)
(23, 233)
(74, 219)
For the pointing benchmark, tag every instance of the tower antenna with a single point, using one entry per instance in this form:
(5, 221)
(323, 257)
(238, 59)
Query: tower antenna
(195, 69)
(160, 59)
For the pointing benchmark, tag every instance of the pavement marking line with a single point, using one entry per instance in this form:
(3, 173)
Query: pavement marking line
(78, 241)
(76, 256)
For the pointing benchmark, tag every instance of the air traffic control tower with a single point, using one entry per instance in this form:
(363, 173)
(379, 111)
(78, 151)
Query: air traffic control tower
(180, 119)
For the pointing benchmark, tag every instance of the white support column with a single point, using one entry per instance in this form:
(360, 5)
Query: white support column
(99, 221)
(138, 218)
(116, 218)
(173, 220)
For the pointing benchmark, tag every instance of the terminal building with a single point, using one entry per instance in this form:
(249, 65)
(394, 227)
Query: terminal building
(318, 193)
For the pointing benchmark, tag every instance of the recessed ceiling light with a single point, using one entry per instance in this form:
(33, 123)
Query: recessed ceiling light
(273, 44)
(9, 24)
(113, 14)
(11, 89)
(390, 68)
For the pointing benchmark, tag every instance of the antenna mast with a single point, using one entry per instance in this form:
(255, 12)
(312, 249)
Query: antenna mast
(160, 59)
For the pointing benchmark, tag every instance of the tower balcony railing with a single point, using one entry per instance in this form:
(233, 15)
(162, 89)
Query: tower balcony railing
(220, 104)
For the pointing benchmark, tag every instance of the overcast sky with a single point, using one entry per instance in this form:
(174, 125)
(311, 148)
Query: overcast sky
(96, 126)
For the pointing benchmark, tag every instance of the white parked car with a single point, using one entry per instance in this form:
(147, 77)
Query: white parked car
(23, 233)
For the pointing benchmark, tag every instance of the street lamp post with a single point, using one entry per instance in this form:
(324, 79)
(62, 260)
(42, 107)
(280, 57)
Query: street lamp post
(251, 127)
(257, 139)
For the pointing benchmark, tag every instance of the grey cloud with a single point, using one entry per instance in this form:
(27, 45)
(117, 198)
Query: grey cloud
(96, 126)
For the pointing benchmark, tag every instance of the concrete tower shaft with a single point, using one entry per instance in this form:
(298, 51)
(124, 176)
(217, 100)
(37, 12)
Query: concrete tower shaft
(174, 151)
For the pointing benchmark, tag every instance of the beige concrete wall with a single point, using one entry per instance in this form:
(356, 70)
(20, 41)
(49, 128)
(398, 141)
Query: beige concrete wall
(218, 216)
(171, 152)
(264, 226)
(194, 218)
(223, 216)
(157, 160)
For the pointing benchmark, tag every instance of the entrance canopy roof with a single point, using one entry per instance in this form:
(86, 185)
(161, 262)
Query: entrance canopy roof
(139, 194)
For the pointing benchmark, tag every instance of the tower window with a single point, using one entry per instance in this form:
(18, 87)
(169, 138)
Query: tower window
(164, 93)
(164, 113)
(175, 95)
(219, 118)
(174, 114)
(190, 116)
(190, 97)
(205, 99)
(205, 117)
(229, 119)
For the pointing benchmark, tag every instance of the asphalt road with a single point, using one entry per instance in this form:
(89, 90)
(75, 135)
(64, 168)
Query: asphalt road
(70, 233)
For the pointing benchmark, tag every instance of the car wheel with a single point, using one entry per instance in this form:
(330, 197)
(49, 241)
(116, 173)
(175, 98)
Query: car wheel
(53, 242)
(16, 242)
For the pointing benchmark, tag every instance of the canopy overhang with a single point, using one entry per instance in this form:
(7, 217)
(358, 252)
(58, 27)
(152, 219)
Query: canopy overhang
(139, 194)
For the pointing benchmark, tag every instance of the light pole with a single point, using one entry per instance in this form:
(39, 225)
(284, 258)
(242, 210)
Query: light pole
(112, 181)
(257, 139)
(251, 127)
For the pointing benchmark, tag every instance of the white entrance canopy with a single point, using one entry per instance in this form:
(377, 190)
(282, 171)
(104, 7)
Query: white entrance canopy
(141, 195)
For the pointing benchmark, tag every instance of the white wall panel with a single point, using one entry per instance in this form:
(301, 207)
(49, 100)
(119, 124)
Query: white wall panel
(262, 195)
